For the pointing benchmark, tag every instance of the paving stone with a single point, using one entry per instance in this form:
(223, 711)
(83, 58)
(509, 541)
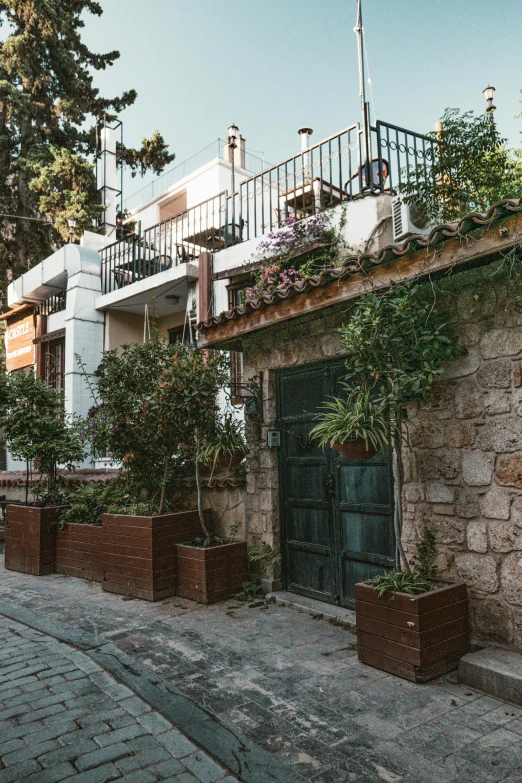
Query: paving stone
(98, 775)
(98, 757)
(31, 751)
(176, 744)
(168, 768)
(135, 706)
(153, 722)
(56, 773)
(18, 772)
(121, 735)
(206, 770)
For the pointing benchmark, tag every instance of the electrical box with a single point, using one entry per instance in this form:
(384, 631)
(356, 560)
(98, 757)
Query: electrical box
(273, 439)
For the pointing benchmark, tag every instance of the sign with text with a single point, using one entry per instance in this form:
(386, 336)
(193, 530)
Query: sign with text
(19, 345)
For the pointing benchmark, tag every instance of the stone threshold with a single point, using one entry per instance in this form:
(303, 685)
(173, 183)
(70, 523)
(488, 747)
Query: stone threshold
(495, 671)
(332, 612)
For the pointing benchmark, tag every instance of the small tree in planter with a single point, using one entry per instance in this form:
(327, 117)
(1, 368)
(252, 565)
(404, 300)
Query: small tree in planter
(37, 431)
(397, 344)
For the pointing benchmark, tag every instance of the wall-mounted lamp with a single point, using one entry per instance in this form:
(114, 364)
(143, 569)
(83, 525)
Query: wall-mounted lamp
(489, 94)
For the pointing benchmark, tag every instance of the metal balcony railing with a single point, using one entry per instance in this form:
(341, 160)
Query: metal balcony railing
(54, 304)
(341, 168)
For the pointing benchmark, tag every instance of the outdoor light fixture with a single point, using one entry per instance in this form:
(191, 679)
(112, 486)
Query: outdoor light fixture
(489, 94)
(72, 225)
(172, 298)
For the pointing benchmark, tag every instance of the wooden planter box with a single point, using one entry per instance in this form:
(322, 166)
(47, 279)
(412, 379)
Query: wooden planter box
(139, 552)
(30, 538)
(416, 637)
(79, 551)
(212, 574)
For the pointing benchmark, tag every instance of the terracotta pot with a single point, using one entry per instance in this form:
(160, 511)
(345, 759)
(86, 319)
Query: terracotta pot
(227, 461)
(356, 449)
(211, 574)
(416, 637)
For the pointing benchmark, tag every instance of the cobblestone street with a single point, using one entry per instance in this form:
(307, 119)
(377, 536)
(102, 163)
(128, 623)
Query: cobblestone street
(288, 681)
(63, 718)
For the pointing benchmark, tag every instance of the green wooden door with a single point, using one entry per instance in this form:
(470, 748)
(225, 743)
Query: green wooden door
(336, 514)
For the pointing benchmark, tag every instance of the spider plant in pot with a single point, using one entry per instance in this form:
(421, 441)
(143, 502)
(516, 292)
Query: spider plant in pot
(357, 426)
(226, 448)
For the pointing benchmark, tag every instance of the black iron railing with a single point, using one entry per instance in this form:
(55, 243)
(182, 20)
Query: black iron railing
(54, 304)
(342, 168)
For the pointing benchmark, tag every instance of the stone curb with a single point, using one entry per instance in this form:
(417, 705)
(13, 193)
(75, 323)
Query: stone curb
(250, 762)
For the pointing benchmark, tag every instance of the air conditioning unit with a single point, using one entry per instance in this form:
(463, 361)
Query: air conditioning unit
(408, 219)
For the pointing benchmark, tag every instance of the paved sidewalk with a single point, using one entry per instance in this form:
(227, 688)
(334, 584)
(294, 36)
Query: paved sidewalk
(292, 684)
(63, 718)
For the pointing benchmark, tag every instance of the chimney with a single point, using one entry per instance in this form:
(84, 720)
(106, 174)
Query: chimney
(107, 176)
(240, 158)
(305, 134)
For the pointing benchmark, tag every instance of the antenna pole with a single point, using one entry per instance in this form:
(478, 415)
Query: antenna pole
(366, 166)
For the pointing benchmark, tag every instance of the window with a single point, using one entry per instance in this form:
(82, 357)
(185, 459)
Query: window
(54, 364)
(236, 297)
(176, 334)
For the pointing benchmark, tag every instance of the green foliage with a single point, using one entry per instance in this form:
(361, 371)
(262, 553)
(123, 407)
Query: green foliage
(234, 530)
(397, 343)
(152, 156)
(424, 561)
(401, 582)
(226, 440)
(250, 589)
(356, 417)
(471, 169)
(37, 430)
(265, 556)
(157, 410)
(88, 502)
(49, 105)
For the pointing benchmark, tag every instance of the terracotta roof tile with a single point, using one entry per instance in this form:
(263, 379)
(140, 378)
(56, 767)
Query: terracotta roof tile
(365, 261)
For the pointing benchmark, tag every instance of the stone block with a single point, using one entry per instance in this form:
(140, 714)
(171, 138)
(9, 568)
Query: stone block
(445, 509)
(509, 471)
(478, 571)
(477, 536)
(331, 344)
(500, 435)
(497, 401)
(504, 536)
(440, 464)
(414, 493)
(467, 504)
(440, 402)
(469, 334)
(494, 671)
(495, 504)
(493, 620)
(517, 374)
(460, 435)
(477, 468)
(517, 400)
(501, 342)
(448, 529)
(477, 302)
(427, 432)
(463, 365)
(439, 493)
(516, 511)
(469, 402)
(266, 500)
(511, 578)
(495, 374)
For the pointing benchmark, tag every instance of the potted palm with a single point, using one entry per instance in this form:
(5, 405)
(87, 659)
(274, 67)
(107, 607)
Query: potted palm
(226, 447)
(40, 433)
(357, 426)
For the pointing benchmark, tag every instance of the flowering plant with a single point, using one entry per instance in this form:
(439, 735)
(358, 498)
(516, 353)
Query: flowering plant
(281, 247)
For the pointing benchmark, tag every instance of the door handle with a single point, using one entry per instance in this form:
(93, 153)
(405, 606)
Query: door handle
(329, 483)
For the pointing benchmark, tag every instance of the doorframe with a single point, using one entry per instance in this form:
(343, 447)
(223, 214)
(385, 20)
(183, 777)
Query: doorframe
(279, 373)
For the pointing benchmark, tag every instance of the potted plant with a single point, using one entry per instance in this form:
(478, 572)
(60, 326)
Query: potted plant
(412, 624)
(357, 426)
(40, 433)
(139, 417)
(226, 447)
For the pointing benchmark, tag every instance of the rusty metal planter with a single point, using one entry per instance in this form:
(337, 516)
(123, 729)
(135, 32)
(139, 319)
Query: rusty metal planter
(30, 538)
(139, 552)
(211, 574)
(416, 637)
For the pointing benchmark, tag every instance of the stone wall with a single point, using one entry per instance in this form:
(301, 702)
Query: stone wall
(464, 467)
(464, 470)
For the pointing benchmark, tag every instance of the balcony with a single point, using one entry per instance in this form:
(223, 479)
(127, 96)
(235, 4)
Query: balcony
(342, 168)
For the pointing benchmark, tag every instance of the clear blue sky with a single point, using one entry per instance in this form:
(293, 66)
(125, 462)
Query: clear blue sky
(272, 66)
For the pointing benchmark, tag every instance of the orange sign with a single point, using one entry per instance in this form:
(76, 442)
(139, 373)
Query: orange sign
(19, 345)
